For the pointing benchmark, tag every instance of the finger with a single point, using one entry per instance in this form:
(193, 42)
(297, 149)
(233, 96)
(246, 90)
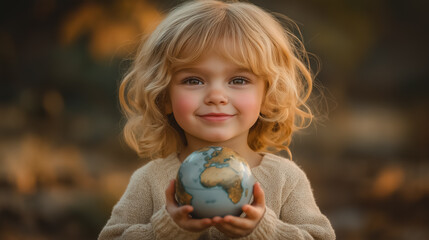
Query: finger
(185, 210)
(197, 224)
(237, 222)
(217, 220)
(253, 212)
(259, 196)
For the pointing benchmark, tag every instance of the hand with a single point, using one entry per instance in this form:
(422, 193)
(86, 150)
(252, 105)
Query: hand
(243, 226)
(181, 215)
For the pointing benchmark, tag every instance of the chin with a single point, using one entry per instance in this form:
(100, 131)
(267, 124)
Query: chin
(217, 139)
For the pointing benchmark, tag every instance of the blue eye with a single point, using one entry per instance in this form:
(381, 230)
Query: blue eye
(192, 81)
(239, 81)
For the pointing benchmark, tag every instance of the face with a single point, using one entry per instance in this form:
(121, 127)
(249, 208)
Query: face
(215, 101)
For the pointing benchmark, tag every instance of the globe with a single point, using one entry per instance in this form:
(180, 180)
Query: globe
(216, 181)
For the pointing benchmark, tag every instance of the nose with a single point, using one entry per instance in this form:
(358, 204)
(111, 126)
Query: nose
(216, 96)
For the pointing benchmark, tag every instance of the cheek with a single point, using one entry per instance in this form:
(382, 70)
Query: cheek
(249, 104)
(182, 105)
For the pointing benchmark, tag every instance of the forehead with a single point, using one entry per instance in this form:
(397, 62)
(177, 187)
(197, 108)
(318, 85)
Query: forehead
(212, 63)
(225, 52)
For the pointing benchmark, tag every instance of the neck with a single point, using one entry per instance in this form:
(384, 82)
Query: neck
(253, 158)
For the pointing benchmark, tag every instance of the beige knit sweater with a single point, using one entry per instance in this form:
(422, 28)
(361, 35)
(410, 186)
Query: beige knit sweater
(291, 211)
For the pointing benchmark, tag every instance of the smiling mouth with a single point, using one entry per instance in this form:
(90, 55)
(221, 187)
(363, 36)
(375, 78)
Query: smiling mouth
(216, 117)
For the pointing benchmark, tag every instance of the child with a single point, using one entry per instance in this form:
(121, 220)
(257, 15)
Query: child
(217, 74)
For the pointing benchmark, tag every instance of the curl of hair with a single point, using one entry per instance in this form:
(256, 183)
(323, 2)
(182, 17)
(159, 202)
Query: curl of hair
(249, 37)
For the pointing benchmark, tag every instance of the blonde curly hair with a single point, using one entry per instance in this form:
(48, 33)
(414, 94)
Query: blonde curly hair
(251, 38)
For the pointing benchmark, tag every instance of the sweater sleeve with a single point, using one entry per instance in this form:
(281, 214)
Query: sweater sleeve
(132, 216)
(300, 218)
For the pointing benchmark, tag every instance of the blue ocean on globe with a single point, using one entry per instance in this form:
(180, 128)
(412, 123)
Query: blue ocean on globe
(216, 181)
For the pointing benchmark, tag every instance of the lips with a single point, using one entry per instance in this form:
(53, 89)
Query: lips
(216, 117)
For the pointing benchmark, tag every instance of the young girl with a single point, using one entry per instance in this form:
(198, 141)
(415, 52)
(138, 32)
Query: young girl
(217, 74)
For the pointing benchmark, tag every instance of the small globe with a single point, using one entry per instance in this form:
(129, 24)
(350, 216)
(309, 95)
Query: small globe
(216, 181)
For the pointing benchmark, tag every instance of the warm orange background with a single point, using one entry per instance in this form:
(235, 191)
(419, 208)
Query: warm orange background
(63, 164)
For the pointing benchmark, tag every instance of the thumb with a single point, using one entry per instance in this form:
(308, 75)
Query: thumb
(259, 196)
(170, 192)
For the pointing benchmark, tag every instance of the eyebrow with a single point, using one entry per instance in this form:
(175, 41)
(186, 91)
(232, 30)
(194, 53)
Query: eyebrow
(197, 70)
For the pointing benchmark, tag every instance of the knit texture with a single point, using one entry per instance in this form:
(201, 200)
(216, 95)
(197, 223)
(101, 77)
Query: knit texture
(291, 211)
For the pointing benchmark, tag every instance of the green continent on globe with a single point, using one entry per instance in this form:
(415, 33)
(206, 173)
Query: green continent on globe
(222, 170)
(183, 197)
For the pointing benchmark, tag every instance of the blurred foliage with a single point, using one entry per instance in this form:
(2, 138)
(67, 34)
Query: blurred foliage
(63, 163)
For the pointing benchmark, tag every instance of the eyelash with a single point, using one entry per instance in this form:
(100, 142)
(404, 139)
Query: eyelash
(188, 80)
(198, 81)
(245, 80)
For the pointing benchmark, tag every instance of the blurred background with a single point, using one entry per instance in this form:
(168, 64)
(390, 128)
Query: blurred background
(63, 164)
